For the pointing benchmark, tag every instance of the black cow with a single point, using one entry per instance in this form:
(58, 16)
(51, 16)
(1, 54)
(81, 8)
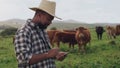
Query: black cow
(99, 31)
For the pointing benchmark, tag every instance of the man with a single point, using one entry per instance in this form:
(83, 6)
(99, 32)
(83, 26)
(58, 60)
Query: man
(32, 45)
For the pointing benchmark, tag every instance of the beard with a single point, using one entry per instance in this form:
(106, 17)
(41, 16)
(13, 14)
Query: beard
(42, 26)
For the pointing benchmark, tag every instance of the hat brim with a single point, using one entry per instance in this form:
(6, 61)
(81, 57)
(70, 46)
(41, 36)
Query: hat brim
(35, 8)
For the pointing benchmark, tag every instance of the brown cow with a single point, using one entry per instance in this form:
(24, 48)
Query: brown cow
(51, 34)
(69, 31)
(13, 39)
(83, 37)
(111, 31)
(65, 37)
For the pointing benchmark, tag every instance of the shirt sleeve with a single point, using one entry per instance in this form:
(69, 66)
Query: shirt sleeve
(23, 48)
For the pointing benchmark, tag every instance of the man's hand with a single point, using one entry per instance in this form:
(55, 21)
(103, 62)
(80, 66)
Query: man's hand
(53, 53)
(61, 56)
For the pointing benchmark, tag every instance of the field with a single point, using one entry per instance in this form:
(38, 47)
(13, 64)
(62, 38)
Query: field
(100, 54)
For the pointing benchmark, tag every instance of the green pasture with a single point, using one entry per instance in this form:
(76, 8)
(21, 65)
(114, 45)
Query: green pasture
(103, 53)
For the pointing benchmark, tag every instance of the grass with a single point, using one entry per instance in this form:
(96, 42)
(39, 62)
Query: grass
(100, 54)
(7, 54)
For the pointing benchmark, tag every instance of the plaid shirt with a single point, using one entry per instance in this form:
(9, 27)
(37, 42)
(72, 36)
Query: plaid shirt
(29, 40)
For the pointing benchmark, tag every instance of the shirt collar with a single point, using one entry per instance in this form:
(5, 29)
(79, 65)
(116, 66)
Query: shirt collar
(29, 22)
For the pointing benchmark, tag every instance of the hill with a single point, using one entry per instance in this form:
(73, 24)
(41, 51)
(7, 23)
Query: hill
(59, 24)
(11, 23)
(72, 24)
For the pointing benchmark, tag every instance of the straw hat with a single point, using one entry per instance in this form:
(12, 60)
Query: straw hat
(47, 6)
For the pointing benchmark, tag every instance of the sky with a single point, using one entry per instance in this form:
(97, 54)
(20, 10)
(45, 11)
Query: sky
(89, 11)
